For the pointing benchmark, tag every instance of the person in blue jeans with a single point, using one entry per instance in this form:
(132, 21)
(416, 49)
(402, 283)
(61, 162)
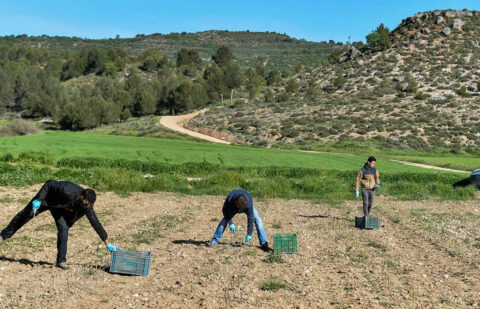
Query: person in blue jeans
(240, 201)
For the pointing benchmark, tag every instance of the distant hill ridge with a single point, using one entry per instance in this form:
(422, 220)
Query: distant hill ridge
(272, 48)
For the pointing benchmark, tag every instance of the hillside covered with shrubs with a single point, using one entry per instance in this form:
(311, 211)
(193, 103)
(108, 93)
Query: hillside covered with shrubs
(416, 87)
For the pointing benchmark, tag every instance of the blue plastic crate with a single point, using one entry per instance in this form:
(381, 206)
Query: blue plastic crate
(130, 262)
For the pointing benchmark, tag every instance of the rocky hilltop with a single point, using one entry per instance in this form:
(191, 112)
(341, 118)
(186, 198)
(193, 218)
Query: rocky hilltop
(420, 92)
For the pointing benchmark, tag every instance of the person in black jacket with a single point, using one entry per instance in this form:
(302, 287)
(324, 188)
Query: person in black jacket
(67, 202)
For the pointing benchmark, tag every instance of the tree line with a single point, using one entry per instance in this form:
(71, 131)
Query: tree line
(87, 88)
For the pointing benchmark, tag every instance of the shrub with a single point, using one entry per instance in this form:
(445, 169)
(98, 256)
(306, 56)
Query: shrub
(272, 284)
(422, 96)
(18, 127)
(462, 91)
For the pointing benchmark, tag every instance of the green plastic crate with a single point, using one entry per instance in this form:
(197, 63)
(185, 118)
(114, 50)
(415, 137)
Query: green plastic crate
(369, 222)
(130, 262)
(285, 243)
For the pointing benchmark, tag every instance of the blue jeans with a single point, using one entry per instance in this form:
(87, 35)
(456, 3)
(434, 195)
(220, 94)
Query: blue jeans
(258, 224)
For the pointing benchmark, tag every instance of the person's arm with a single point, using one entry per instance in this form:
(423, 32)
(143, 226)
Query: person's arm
(97, 226)
(227, 212)
(357, 181)
(250, 219)
(377, 178)
(42, 194)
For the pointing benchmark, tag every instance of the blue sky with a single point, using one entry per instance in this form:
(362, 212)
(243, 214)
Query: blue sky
(319, 20)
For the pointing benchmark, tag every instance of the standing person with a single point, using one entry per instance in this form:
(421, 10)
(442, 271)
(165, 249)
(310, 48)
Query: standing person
(240, 201)
(369, 178)
(67, 202)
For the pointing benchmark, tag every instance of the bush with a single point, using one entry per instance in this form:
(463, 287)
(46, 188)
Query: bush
(18, 127)
(462, 91)
(422, 96)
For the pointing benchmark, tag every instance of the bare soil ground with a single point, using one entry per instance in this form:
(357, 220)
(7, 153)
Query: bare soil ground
(426, 254)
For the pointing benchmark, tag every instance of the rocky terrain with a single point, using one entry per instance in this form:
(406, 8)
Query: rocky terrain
(419, 93)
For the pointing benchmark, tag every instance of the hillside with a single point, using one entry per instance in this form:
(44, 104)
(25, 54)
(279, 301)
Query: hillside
(420, 93)
(250, 48)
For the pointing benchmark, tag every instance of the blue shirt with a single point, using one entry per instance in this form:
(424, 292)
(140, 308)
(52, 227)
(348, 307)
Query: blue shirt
(229, 209)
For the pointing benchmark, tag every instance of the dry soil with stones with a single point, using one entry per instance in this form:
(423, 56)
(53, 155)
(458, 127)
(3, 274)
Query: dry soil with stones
(426, 254)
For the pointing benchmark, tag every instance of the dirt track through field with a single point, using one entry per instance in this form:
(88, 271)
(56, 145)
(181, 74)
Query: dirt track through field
(425, 254)
(177, 123)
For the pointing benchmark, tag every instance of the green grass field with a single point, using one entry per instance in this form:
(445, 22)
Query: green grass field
(174, 151)
(466, 163)
(140, 164)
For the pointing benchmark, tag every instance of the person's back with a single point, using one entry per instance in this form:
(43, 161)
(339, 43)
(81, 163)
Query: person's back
(240, 201)
(59, 194)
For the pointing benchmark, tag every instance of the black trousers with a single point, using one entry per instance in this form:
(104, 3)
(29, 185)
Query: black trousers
(61, 220)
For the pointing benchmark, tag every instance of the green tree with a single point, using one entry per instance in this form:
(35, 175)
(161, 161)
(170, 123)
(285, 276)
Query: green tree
(187, 96)
(273, 78)
(144, 101)
(214, 82)
(253, 82)
(379, 37)
(292, 86)
(412, 85)
(232, 77)
(152, 60)
(223, 56)
(188, 57)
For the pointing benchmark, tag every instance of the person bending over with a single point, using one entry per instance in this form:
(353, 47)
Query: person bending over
(67, 202)
(240, 201)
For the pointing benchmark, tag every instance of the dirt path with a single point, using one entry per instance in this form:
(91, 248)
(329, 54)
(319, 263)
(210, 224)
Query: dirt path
(430, 166)
(425, 255)
(177, 123)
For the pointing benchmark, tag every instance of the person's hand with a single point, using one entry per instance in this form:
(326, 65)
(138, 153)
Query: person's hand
(232, 228)
(111, 248)
(377, 186)
(357, 194)
(36, 205)
(248, 238)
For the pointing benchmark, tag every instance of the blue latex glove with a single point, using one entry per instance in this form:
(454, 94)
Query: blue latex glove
(248, 238)
(111, 248)
(377, 186)
(232, 228)
(36, 205)
(357, 194)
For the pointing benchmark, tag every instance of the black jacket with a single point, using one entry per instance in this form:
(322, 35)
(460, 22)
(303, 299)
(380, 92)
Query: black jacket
(64, 195)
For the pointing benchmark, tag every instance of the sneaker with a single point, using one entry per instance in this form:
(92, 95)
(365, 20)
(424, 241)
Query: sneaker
(63, 265)
(266, 248)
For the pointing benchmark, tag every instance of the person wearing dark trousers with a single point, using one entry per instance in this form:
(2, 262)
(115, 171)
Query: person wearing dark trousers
(240, 201)
(369, 179)
(67, 203)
